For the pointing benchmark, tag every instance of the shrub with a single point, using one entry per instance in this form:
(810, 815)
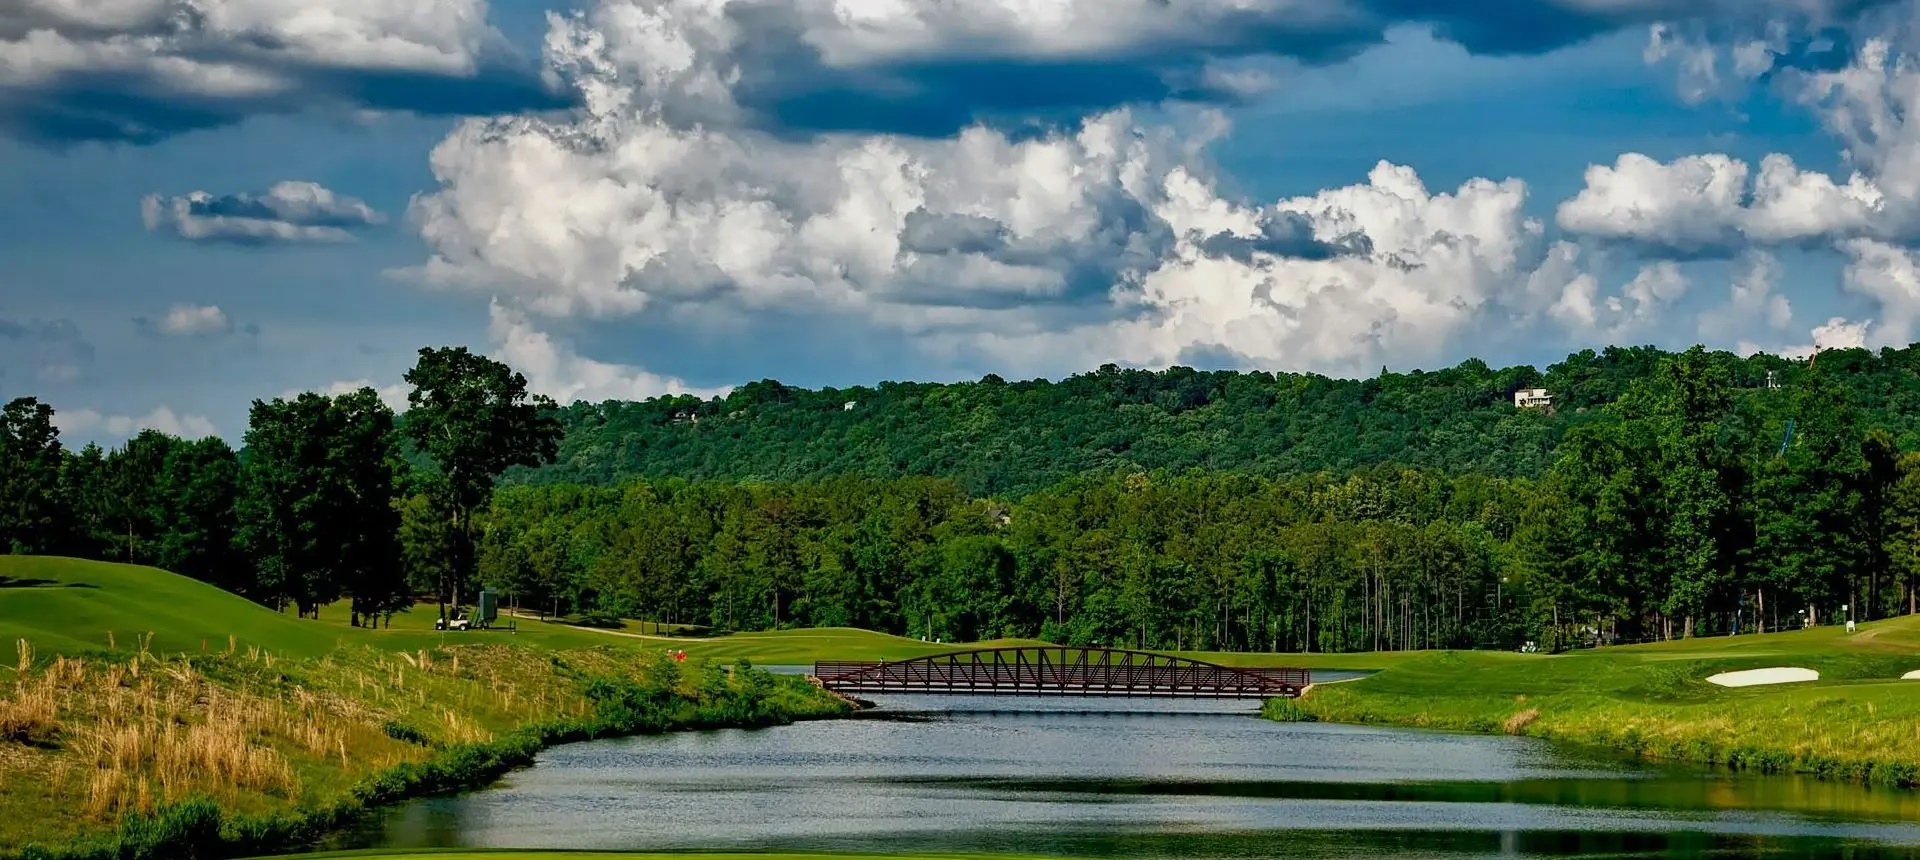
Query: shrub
(405, 733)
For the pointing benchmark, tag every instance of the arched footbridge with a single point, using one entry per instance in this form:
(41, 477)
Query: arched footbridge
(1063, 671)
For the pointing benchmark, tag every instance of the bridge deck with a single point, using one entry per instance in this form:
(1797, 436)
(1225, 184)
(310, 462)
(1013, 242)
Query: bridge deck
(1063, 672)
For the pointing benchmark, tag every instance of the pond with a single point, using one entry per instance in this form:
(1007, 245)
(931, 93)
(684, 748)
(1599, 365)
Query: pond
(1132, 778)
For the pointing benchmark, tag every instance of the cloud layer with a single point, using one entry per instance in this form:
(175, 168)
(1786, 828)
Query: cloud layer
(88, 423)
(1105, 239)
(188, 321)
(289, 212)
(141, 70)
(41, 352)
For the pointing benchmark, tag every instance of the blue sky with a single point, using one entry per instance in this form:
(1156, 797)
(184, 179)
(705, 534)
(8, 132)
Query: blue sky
(644, 196)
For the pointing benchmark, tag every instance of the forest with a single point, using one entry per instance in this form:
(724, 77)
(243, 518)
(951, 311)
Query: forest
(1006, 439)
(1664, 495)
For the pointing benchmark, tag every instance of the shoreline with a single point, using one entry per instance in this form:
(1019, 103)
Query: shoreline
(203, 828)
(1854, 731)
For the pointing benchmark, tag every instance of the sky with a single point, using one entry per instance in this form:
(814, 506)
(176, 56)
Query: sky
(208, 202)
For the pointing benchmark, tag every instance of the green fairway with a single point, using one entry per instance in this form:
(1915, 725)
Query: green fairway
(65, 605)
(1857, 721)
(468, 854)
(68, 606)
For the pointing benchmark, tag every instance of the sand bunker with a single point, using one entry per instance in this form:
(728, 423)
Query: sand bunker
(1757, 677)
(1911, 676)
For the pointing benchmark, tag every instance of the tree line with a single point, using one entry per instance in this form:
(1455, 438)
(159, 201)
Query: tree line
(319, 505)
(999, 437)
(1698, 502)
(1709, 496)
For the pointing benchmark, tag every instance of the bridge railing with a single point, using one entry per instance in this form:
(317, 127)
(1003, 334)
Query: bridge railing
(1062, 670)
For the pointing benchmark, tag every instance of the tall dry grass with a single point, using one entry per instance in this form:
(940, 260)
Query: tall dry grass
(110, 737)
(31, 715)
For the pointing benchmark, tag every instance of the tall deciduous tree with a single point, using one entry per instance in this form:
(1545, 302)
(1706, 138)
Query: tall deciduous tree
(1904, 530)
(366, 463)
(83, 486)
(426, 538)
(285, 501)
(33, 515)
(1873, 523)
(475, 418)
(319, 515)
(199, 491)
(132, 483)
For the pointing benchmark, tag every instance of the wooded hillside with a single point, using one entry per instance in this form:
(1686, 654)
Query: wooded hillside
(1010, 438)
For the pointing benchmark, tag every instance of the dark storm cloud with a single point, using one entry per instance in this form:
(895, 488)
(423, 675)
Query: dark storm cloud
(1536, 26)
(784, 81)
(125, 109)
(71, 71)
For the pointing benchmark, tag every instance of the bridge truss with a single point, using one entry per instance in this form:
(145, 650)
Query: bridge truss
(1063, 671)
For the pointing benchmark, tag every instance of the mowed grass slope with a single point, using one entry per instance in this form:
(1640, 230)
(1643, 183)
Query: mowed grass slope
(73, 606)
(1858, 721)
(65, 605)
(605, 855)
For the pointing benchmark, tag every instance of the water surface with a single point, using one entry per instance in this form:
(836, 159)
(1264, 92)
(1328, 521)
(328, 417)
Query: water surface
(1147, 779)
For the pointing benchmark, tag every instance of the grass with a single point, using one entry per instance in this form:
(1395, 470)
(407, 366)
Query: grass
(273, 743)
(74, 606)
(131, 694)
(1858, 722)
(603, 855)
(70, 606)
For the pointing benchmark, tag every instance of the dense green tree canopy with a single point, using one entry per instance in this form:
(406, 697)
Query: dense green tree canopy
(1664, 495)
(1011, 438)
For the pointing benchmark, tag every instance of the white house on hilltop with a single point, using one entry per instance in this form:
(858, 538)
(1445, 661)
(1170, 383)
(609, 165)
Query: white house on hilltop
(1532, 398)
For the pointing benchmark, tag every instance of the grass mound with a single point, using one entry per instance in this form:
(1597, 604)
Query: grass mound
(68, 606)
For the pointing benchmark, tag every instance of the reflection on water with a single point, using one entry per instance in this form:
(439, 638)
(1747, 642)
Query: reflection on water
(1135, 778)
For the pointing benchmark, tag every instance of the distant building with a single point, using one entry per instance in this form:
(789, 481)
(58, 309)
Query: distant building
(848, 406)
(1532, 398)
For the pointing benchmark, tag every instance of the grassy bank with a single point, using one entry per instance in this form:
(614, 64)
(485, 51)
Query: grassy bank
(72, 606)
(281, 728)
(605, 855)
(1858, 722)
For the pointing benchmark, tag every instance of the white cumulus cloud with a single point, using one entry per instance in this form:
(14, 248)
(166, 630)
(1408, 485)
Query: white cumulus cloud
(1890, 276)
(1704, 205)
(91, 424)
(1110, 239)
(554, 369)
(394, 396)
(189, 321)
(289, 212)
(1835, 333)
(1754, 306)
